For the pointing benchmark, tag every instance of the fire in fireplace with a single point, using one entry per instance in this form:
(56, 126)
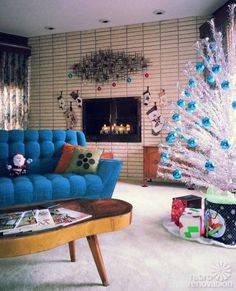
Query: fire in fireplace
(112, 119)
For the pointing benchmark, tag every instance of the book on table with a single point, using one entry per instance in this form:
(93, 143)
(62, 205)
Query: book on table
(39, 219)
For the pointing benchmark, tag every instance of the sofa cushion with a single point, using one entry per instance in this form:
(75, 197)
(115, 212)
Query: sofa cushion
(36, 188)
(66, 186)
(67, 154)
(65, 158)
(85, 161)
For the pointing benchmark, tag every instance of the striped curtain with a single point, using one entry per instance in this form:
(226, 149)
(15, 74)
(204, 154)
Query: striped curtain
(13, 91)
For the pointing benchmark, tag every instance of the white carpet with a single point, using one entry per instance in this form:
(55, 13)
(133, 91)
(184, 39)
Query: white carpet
(143, 257)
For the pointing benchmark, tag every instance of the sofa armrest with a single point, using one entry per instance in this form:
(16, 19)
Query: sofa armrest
(109, 171)
(81, 138)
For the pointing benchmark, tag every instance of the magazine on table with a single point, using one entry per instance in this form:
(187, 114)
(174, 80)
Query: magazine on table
(28, 219)
(65, 216)
(9, 221)
(27, 222)
(45, 219)
(39, 219)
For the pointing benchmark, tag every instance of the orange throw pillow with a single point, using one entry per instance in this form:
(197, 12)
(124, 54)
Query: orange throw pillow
(67, 154)
(65, 159)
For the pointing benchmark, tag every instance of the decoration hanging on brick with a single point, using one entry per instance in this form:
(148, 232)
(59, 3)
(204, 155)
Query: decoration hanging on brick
(68, 111)
(104, 65)
(70, 75)
(146, 96)
(129, 80)
(71, 119)
(156, 118)
(61, 102)
(77, 98)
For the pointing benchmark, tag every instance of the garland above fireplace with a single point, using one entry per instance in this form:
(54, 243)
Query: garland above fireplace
(112, 119)
(104, 65)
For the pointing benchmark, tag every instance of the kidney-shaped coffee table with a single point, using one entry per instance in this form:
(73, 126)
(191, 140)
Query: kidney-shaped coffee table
(107, 215)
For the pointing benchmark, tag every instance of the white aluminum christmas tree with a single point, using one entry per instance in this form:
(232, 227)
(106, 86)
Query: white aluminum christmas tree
(200, 146)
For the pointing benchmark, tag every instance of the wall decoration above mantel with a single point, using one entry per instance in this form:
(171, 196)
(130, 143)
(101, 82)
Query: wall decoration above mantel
(68, 111)
(104, 65)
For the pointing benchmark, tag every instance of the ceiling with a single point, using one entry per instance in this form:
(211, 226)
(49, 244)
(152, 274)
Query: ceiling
(29, 17)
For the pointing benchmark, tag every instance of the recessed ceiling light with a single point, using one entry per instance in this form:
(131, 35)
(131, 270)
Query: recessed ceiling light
(103, 20)
(158, 12)
(49, 28)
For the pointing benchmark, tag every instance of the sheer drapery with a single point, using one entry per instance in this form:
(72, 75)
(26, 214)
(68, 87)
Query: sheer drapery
(13, 90)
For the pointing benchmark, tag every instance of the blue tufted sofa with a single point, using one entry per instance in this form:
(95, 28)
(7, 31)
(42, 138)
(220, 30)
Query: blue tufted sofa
(41, 183)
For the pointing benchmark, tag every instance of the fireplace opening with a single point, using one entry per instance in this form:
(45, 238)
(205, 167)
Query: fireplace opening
(112, 119)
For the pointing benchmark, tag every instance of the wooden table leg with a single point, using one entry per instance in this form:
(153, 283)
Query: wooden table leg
(97, 256)
(72, 251)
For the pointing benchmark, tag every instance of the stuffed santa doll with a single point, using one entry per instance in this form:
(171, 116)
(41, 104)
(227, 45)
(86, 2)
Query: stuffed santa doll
(18, 166)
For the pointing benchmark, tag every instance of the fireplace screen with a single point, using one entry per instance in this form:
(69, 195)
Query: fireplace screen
(112, 119)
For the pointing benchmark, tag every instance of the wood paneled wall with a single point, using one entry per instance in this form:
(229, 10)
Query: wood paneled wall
(167, 45)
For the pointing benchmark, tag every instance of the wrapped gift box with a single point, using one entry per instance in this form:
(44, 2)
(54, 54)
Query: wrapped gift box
(220, 215)
(191, 223)
(180, 203)
(220, 222)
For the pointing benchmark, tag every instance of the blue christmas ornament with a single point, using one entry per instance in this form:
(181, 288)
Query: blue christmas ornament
(181, 103)
(187, 93)
(216, 69)
(200, 67)
(171, 137)
(192, 142)
(234, 104)
(129, 80)
(192, 83)
(224, 144)
(192, 106)
(165, 156)
(177, 174)
(210, 166)
(225, 85)
(176, 117)
(212, 47)
(206, 121)
(210, 79)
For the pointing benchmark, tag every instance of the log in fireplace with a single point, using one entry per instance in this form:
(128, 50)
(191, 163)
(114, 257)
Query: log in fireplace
(112, 119)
